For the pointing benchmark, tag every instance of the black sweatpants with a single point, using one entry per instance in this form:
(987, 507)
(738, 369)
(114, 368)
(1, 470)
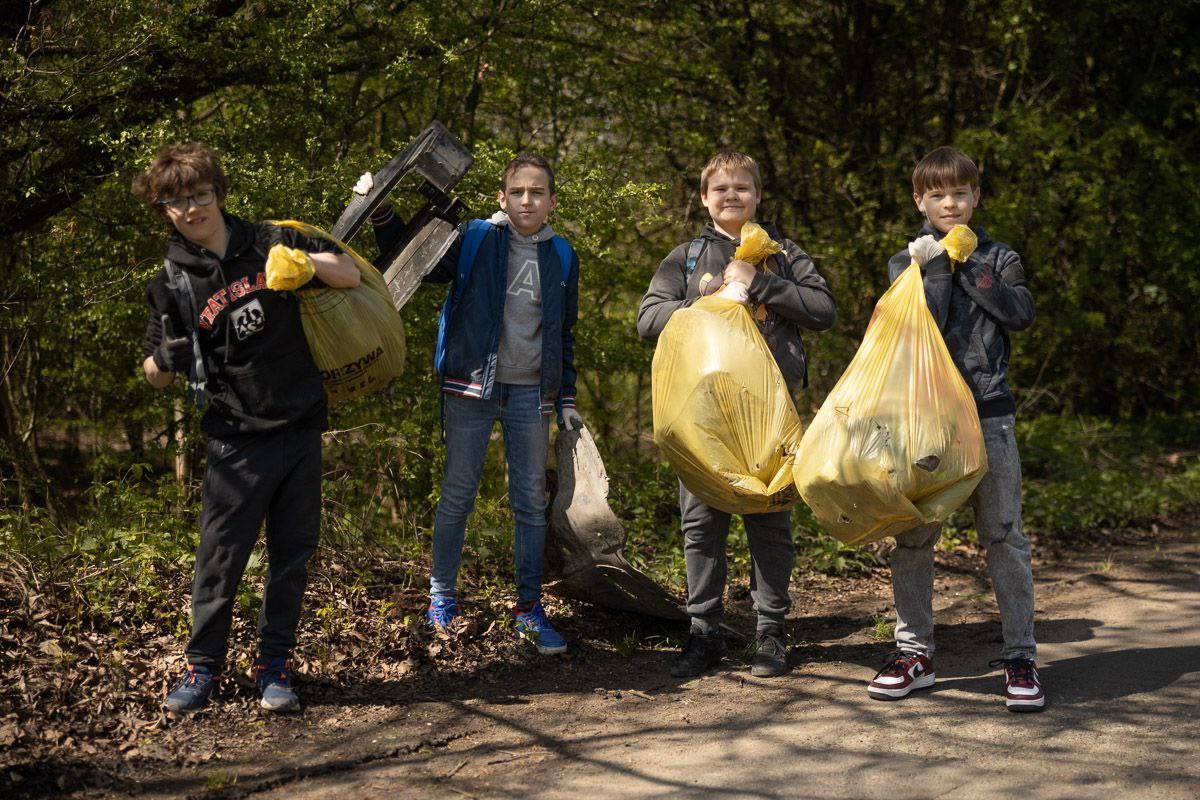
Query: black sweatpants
(274, 476)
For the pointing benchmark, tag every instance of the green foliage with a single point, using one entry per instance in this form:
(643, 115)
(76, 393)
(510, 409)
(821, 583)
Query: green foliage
(125, 560)
(1087, 145)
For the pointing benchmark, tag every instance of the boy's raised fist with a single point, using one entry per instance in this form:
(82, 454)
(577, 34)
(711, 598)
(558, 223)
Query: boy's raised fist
(735, 291)
(174, 353)
(924, 249)
(740, 271)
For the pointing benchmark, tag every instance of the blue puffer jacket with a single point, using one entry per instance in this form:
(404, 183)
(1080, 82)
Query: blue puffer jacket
(473, 325)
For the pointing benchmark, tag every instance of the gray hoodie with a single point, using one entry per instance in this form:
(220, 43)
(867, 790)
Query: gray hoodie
(520, 357)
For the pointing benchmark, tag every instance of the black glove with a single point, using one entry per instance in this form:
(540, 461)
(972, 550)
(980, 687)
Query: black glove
(174, 353)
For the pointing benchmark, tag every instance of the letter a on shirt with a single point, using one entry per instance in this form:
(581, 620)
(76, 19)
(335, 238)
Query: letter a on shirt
(525, 281)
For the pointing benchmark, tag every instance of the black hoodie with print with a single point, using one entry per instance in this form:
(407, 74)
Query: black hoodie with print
(261, 375)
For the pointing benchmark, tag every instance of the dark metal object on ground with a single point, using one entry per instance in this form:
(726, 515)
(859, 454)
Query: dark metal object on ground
(585, 542)
(442, 161)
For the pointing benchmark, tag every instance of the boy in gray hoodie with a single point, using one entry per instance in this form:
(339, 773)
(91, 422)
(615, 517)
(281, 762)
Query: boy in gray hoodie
(975, 305)
(794, 295)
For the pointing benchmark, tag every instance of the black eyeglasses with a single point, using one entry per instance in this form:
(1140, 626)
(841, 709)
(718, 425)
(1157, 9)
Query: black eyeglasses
(201, 198)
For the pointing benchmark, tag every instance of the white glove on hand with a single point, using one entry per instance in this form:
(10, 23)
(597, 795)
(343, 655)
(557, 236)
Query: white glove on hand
(735, 291)
(571, 419)
(924, 249)
(366, 182)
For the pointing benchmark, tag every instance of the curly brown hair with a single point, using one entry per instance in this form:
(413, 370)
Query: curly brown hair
(177, 168)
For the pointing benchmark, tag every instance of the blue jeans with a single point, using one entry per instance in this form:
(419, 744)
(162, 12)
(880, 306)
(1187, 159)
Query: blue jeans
(526, 440)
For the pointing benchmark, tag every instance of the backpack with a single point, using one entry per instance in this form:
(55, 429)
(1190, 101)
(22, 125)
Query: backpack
(696, 248)
(472, 239)
(185, 297)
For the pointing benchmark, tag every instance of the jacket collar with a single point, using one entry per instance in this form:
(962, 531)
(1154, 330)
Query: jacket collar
(928, 228)
(188, 254)
(711, 233)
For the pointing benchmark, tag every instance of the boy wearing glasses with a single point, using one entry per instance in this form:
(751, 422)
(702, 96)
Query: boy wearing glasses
(213, 317)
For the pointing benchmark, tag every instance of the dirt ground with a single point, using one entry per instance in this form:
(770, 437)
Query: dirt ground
(1119, 653)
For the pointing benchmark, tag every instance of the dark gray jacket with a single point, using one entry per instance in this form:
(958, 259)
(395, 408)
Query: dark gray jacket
(975, 307)
(793, 292)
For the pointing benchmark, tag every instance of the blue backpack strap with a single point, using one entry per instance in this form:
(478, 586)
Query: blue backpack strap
(472, 239)
(473, 236)
(565, 254)
(693, 255)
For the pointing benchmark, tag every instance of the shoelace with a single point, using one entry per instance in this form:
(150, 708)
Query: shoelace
(1021, 671)
(192, 677)
(897, 663)
(773, 644)
(534, 617)
(281, 675)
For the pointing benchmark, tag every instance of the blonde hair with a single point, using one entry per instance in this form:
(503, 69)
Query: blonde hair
(944, 168)
(176, 167)
(730, 160)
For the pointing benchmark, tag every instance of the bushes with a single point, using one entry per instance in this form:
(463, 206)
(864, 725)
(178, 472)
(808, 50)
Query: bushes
(1084, 476)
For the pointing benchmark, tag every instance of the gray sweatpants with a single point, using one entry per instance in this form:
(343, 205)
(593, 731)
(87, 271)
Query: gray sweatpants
(772, 554)
(997, 504)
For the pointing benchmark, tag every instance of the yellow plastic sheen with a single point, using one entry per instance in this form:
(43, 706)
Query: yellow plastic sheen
(722, 414)
(356, 336)
(288, 268)
(897, 442)
(756, 244)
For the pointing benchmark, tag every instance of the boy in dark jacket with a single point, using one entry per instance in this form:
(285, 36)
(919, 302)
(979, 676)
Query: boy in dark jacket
(265, 410)
(505, 352)
(975, 306)
(794, 295)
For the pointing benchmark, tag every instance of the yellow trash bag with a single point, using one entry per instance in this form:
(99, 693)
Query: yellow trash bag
(288, 268)
(756, 244)
(356, 335)
(722, 413)
(897, 442)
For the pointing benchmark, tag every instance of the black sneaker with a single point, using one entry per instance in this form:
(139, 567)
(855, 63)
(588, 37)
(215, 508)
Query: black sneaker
(770, 661)
(700, 653)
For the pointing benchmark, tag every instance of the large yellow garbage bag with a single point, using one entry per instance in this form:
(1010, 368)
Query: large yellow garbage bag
(356, 335)
(722, 413)
(897, 442)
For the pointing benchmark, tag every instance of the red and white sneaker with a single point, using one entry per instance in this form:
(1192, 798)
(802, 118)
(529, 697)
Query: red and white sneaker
(1022, 685)
(901, 673)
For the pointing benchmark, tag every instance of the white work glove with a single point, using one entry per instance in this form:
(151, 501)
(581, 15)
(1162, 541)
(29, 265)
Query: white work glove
(924, 249)
(571, 419)
(735, 291)
(366, 182)
(383, 212)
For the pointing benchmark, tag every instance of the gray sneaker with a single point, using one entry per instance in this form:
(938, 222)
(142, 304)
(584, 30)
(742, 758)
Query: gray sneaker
(770, 661)
(274, 680)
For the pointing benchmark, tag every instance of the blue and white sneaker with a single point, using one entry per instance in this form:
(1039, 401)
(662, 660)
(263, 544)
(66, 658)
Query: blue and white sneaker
(274, 681)
(534, 626)
(192, 691)
(443, 608)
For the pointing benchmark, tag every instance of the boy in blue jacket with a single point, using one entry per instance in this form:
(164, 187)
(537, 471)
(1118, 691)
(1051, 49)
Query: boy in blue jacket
(975, 305)
(505, 352)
